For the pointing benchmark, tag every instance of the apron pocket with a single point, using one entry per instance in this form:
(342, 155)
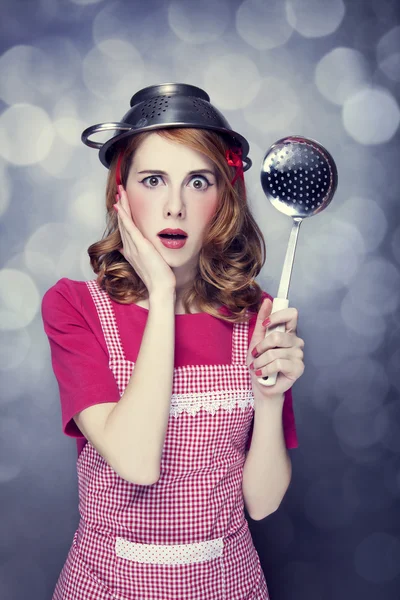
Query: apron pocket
(171, 572)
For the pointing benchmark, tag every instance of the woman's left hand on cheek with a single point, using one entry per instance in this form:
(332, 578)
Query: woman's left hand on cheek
(280, 353)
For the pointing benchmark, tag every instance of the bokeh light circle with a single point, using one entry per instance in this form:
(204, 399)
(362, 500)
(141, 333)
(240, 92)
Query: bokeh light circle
(143, 23)
(377, 557)
(57, 161)
(325, 245)
(80, 108)
(30, 74)
(43, 248)
(368, 377)
(62, 56)
(275, 107)
(74, 261)
(371, 116)
(5, 188)
(232, 81)
(19, 299)
(263, 25)
(359, 321)
(54, 251)
(87, 207)
(19, 66)
(360, 430)
(202, 23)
(69, 129)
(110, 68)
(376, 287)
(340, 74)
(14, 347)
(315, 18)
(26, 134)
(333, 344)
(369, 218)
(388, 53)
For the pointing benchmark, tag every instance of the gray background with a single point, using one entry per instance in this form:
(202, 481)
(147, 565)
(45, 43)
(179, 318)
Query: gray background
(326, 69)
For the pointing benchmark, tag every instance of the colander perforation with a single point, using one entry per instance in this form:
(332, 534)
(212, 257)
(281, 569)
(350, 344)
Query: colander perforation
(154, 106)
(204, 110)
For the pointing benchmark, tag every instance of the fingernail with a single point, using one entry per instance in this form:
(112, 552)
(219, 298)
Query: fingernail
(251, 366)
(266, 322)
(258, 373)
(254, 353)
(117, 197)
(115, 207)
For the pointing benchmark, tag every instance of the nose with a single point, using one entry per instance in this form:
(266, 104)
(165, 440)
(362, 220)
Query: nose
(174, 205)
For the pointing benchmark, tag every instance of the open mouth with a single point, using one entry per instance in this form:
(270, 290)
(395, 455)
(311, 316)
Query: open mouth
(172, 236)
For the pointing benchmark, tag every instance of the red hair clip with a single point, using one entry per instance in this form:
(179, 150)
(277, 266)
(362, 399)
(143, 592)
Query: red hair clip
(234, 159)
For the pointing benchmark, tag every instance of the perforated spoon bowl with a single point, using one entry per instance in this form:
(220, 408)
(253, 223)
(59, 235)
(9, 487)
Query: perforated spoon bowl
(299, 178)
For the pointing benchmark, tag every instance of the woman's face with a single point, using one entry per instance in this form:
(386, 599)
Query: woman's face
(171, 186)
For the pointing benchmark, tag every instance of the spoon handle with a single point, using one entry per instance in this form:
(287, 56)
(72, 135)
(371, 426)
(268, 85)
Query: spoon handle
(278, 304)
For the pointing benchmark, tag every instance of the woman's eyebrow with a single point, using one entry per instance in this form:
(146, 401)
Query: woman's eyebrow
(202, 171)
(198, 171)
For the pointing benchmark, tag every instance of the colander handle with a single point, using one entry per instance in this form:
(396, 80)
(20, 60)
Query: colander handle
(247, 163)
(278, 304)
(98, 129)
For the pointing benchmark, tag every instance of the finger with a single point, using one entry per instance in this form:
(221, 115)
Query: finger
(263, 313)
(276, 353)
(128, 226)
(292, 369)
(124, 201)
(278, 339)
(122, 232)
(287, 316)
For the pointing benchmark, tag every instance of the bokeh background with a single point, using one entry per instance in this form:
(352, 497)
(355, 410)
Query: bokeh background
(326, 69)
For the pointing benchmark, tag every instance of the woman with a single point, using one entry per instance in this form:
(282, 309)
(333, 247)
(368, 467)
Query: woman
(158, 362)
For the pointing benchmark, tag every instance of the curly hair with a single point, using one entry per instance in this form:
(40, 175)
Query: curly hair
(233, 249)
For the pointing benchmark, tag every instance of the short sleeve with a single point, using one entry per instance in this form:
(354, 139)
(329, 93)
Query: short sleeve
(288, 417)
(80, 363)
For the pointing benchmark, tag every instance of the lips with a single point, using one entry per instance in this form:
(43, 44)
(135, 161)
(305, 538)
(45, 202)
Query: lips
(173, 233)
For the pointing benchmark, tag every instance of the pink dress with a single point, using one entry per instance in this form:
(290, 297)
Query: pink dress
(185, 537)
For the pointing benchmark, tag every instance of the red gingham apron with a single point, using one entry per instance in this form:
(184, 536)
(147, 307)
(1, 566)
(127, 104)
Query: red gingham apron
(185, 537)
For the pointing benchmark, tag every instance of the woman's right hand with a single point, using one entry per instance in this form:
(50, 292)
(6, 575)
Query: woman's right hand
(141, 254)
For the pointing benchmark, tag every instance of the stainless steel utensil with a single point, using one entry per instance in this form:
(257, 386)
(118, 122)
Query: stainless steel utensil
(299, 177)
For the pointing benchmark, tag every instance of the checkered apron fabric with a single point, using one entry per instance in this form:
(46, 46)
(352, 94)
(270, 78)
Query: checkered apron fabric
(186, 536)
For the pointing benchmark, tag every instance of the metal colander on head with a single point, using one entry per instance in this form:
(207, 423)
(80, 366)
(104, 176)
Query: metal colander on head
(165, 106)
(299, 177)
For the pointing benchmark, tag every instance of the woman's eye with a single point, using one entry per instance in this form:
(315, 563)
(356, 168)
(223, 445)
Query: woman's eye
(199, 182)
(152, 181)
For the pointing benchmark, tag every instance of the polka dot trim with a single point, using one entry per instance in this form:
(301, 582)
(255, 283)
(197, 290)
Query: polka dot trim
(178, 554)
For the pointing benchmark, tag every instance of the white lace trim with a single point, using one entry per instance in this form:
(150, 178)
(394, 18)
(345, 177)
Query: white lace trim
(210, 401)
(178, 554)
